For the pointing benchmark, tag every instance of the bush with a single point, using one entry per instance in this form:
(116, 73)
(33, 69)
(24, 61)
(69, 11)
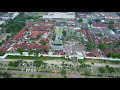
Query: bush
(2, 53)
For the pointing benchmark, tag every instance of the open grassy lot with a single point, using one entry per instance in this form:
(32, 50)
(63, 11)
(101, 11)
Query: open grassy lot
(35, 58)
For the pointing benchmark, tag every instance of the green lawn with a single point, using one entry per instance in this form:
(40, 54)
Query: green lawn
(35, 58)
(100, 61)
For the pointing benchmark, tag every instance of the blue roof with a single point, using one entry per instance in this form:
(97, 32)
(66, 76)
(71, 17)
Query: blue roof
(55, 47)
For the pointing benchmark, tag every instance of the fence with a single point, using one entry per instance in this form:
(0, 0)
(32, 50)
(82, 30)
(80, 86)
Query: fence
(78, 57)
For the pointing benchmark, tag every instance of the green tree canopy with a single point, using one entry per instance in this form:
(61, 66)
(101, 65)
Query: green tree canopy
(111, 27)
(101, 69)
(64, 33)
(111, 22)
(102, 46)
(20, 50)
(30, 52)
(43, 42)
(36, 52)
(89, 46)
(113, 55)
(97, 20)
(89, 22)
(80, 20)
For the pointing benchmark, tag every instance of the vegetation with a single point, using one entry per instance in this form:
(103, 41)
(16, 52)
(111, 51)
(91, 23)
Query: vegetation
(80, 20)
(102, 46)
(20, 50)
(38, 63)
(16, 24)
(39, 75)
(113, 55)
(1, 43)
(35, 58)
(43, 42)
(89, 46)
(101, 69)
(111, 69)
(8, 37)
(117, 44)
(2, 53)
(111, 22)
(89, 22)
(64, 33)
(30, 52)
(111, 27)
(36, 52)
(97, 20)
(5, 74)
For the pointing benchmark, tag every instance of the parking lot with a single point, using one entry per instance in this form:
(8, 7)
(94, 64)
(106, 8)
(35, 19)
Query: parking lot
(73, 48)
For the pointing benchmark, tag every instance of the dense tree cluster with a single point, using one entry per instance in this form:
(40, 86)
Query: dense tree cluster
(113, 55)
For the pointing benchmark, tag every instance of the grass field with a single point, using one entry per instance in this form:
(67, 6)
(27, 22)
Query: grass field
(100, 61)
(35, 58)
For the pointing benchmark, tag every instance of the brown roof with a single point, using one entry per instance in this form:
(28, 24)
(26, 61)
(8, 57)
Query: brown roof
(107, 50)
(18, 35)
(59, 52)
(95, 52)
(105, 25)
(31, 46)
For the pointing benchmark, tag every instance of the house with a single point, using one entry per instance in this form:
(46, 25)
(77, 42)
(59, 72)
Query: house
(110, 15)
(40, 25)
(30, 46)
(94, 53)
(59, 15)
(107, 51)
(20, 34)
(104, 25)
(59, 52)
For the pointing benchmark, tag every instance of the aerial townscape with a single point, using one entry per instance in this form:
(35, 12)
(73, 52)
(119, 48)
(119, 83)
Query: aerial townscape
(59, 44)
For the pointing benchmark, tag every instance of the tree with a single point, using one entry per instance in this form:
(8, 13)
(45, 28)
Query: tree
(43, 42)
(102, 46)
(30, 52)
(3, 41)
(39, 75)
(20, 50)
(111, 70)
(38, 63)
(89, 46)
(36, 52)
(111, 22)
(97, 20)
(110, 45)
(64, 33)
(101, 69)
(111, 27)
(32, 75)
(8, 37)
(89, 22)
(80, 20)
(2, 53)
(113, 55)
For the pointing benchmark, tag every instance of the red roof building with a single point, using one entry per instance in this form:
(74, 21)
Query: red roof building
(18, 35)
(30, 46)
(104, 25)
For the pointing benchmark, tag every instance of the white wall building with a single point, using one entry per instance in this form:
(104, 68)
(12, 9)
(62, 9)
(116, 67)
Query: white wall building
(59, 15)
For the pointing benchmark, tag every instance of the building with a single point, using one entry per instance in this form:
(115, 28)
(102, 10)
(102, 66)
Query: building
(59, 15)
